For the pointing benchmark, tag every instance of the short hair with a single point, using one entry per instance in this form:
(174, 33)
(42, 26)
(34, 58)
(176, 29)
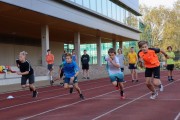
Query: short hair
(119, 50)
(85, 50)
(132, 47)
(169, 47)
(24, 53)
(141, 43)
(111, 50)
(69, 55)
(48, 50)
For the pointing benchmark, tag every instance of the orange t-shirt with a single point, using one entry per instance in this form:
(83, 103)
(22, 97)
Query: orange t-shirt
(50, 58)
(150, 58)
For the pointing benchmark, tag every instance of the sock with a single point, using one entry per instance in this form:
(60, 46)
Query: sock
(169, 77)
(51, 78)
(122, 92)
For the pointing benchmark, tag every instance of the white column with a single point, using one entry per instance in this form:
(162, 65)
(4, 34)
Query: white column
(77, 47)
(120, 44)
(114, 44)
(44, 43)
(99, 53)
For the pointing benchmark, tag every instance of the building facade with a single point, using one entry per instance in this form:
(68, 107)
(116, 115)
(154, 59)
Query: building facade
(37, 25)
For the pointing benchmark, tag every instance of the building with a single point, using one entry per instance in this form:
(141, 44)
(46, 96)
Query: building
(36, 25)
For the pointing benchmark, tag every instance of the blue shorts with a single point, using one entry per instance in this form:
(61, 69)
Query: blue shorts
(67, 80)
(119, 77)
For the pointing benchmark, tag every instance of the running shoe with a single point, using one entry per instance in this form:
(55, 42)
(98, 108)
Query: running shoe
(154, 95)
(84, 78)
(51, 82)
(125, 81)
(123, 97)
(71, 90)
(61, 84)
(137, 80)
(81, 96)
(88, 77)
(132, 81)
(35, 93)
(161, 88)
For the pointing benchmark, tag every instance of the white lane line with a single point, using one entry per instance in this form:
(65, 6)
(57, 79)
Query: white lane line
(68, 105)
(104, 114)
(177, 117)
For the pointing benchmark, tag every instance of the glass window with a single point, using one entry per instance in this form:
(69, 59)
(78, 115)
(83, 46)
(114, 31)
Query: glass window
(109, 9)
(99, 6)
(114, 12)
(79, 2)
(86, 3)
(128, 19)
(104, 7)
(93, 5)
(72, 0)
(118, 14)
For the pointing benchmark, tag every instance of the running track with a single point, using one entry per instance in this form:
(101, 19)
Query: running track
(102, 102)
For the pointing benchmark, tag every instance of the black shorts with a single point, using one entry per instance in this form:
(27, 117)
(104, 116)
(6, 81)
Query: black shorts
(85, 66)
(122, 69)
(153, 71)
(25, 78)
(62, 73)
(170, 67)
(131, 66)
(50, 67)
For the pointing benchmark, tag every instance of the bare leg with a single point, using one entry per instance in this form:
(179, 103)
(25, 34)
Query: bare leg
(149, 84)
(77, 88)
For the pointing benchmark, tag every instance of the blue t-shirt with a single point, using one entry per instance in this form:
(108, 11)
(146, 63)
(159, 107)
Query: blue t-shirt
(69, 69)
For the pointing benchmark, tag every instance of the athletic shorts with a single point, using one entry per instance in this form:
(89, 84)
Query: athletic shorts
(85, 66)
(131, 66)
(119, 77)
(25, 78)
(122, 69)
(153, 71)
(50, 67)
(62, 73)
(170, 67)
(67, 80)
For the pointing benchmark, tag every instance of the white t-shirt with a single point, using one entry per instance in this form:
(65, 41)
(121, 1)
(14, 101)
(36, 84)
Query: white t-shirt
(121, 60)
(111, 68)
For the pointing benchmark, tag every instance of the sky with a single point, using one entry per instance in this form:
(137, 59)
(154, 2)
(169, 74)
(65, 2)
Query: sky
(156, 3)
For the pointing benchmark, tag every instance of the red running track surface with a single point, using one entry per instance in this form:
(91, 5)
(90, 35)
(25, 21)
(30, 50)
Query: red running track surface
(102, 102)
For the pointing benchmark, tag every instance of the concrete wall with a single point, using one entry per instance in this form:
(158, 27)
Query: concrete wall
(9, 53)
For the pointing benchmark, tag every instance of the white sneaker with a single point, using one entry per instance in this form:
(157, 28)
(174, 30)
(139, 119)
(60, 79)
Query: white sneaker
(162, 88)
(154, 95)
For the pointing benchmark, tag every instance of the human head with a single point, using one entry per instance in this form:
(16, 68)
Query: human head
(169, 48)
(143, 45)
(22, 56)
(119, 51)
(112, 53)
(68, 58)
(49, 51)
(64, 51)
(73, 51)
(132, 49)
(85, 52)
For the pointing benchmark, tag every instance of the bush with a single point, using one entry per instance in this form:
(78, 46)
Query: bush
(177, 64)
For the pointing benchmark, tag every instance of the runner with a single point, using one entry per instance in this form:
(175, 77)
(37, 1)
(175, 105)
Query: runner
(50, 61)
(27, 73)
(71, 71)
(133, 59)
(152, 65)
(115, 74)
(170, 63)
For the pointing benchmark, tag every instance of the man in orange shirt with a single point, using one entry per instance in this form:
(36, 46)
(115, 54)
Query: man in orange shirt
(50, 61)
(133, 59)
(151, 63)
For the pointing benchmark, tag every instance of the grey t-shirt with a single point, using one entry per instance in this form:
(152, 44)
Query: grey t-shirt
(121, 60)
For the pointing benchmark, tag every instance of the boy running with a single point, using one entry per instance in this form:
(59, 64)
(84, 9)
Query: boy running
(71, 71)
(133, 59)
(152, 65)
(27, 73)
(170, 63)
(50, 61)
(115, 74)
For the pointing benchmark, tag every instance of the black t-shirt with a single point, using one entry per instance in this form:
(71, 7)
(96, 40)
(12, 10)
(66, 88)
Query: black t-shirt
(25, 67)
(85, 59)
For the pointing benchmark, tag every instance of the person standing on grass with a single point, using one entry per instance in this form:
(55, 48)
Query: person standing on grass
(115, 74)
(170, 63)
(85, 65)
(74, 57)
(50, 61)
(133, 59)
(71, 71)
(27, 73)
(151, 63)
